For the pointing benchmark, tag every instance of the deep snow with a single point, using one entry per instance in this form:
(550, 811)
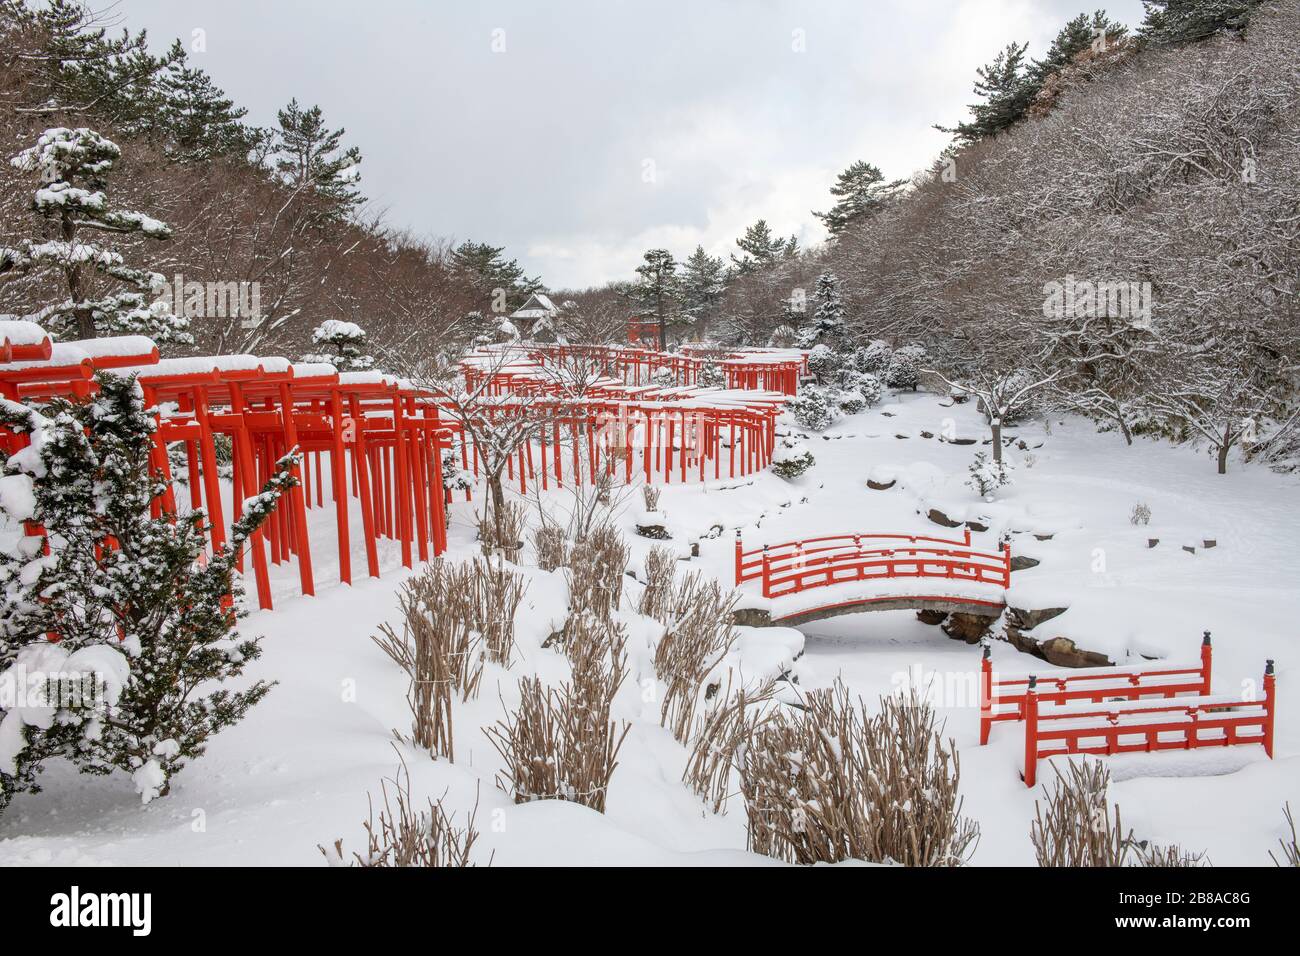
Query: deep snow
(296, 772)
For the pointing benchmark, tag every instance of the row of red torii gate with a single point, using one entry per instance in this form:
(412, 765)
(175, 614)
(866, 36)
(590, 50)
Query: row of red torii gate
(375, 447)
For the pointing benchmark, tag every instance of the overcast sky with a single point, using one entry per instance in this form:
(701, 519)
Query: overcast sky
(579, 133)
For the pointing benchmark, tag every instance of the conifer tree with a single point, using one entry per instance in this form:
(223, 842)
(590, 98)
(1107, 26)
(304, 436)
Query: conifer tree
(1006, 90)
(128, 598)
(72, 205)
(760, 248)
(827, 325)
(345, 340)
(860, 190)
(500, 282)
(311, 158)
(1078, 34)
(198, 120)
(1171, 22)
(657, 293)
(702, 287)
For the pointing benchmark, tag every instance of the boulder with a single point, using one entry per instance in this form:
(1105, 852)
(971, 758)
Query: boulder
(938, 517)
(751, 617)
(1059, 651)
(931, 617)
(655, 531)
(1026, 619)
(1020, 562)
(971, 628)
(881, 485)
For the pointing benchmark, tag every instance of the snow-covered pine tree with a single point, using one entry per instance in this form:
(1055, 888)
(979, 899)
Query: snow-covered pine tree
(128, 597)
(346, 340)
(712, 376)
(859, 191)
(827, 325)
(70, 203)
(759, 249)
(702, 287)
(1006, 90)
(1172, 22)
(904, 369)
(657, 291)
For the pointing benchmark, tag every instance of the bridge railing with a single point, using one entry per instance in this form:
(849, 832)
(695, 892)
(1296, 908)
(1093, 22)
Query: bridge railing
(810, 563)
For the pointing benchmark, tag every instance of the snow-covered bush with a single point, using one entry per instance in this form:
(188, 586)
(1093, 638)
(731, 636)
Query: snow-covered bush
(824, 363)
(345, 341)
(124, 592)
(712, 376)
(987, 475)
(813, 409)
(873, 358)
(782, 337)
(904, 369)
(454, 476)
(860, 390)
(791, 459)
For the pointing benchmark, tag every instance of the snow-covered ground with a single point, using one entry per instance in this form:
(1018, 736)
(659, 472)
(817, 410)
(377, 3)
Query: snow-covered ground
(296, 772)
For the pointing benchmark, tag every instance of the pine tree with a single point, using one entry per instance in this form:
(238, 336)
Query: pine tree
(198, 120)
(76, 67)
(346, 340)
(1078, 34)
(702, 287)
(657, 293)
(311, 158)
(127, 595)
(70, 202)
(501, 282)
(859, 191)
(827, 326)
(1171, 22)
(1006, 89)
(760, 249)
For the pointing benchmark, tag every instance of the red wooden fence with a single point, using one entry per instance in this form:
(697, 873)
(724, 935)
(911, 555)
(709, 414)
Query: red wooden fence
(1145, 726)
(1003, 698)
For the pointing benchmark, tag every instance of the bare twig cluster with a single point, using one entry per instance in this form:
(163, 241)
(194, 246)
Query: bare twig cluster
(551, 547)
(405, 836)
(562, 744)
(650, 497)
(833, 782)
(1080, 827)
(657, 598)
(501, 529)
(495, 593)
(720, 741)
(699, 634)
(597, 564)
(1290, 853)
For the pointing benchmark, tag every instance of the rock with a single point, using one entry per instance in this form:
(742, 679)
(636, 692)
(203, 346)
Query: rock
(888, 414)
(1062, 652)
(1026, 619)
(976, 525)
(970, 628)
(961, 441)
(655, 531)
(938, 517)
(1020, 562)
(1152, 542)
(931, 617)
(751, 617)
(1210, 543)
(881, 485)
(927, 434)
(1044, 537)
(695, 549)
(1189, 548)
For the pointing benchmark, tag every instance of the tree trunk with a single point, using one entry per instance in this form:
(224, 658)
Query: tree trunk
(497, 494)
(996, 425)
(1224, 446)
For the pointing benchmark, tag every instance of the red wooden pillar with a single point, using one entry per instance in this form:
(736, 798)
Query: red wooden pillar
(402, 486)
(296, 494)
(338, 478)
(211, 480)
(1031, 732)
(1207, 653)
(247, 488)
(986, 695)
(361, 459)
(1270, 706)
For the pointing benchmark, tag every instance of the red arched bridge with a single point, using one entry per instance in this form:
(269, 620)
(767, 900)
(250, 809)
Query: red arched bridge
(824, 577)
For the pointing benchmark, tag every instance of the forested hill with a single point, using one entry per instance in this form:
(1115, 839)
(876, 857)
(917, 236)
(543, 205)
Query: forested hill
(281, 207)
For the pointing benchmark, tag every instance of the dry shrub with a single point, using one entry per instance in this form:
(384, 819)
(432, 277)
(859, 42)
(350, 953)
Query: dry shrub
(503, 532)
(650, 496)
(1076, 828)
(404, 836)
(1290, 854)
(597, 564)
(438, 650)
(551, 547)
(561, 744)
(699, 634)
(721, 739)
(658, 597)
(832, 782)
(494, 597)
